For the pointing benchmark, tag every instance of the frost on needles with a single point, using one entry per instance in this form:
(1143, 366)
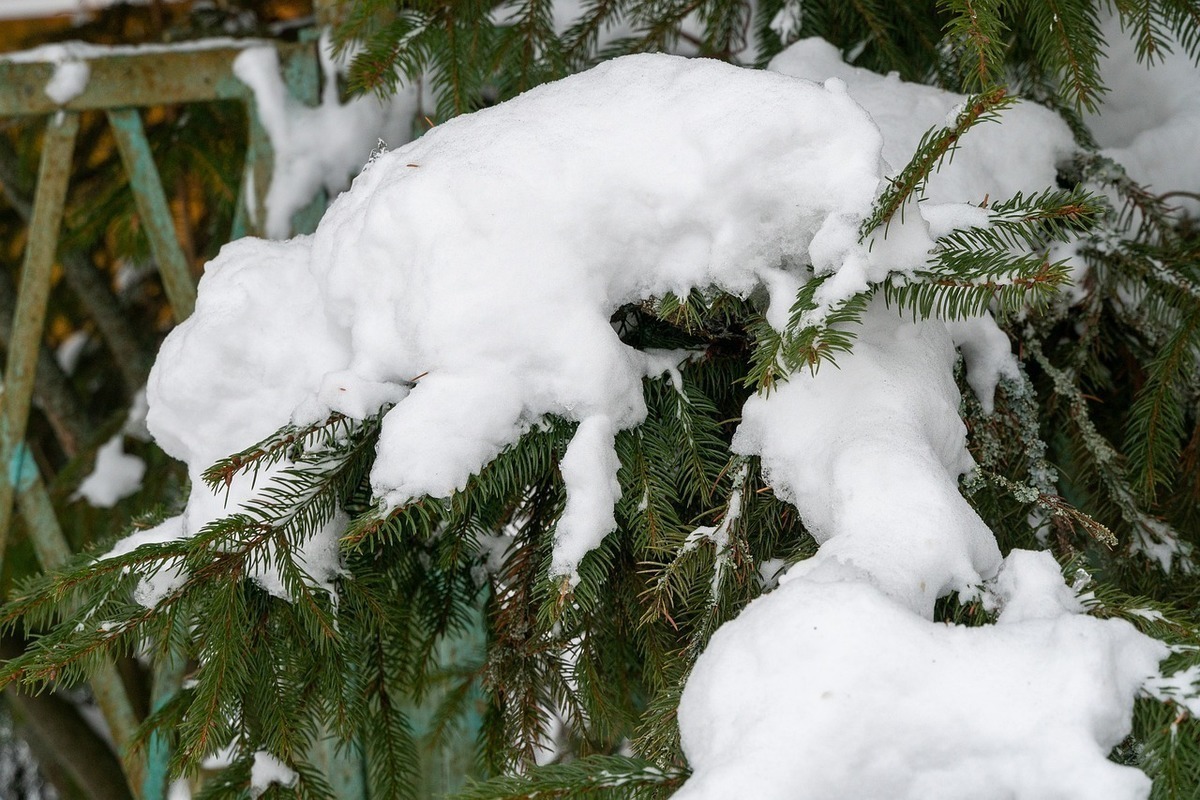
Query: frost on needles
(465, 284)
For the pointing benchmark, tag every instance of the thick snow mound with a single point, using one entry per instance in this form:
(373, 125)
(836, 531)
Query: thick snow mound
(833, 690)
(1018, 154)
(876, 481)
(484, 260)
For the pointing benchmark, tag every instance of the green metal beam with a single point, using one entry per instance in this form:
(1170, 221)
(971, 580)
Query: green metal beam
(154, 210)
(168, 675)
(123, 77)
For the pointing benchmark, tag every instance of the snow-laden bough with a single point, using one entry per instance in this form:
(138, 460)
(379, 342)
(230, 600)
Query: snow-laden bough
(469, 278)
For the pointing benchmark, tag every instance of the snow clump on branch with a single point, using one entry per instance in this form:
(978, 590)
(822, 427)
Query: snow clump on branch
(488, 256)
(469, 278)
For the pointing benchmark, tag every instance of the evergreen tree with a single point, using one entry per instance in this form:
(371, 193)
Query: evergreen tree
(1091, 450)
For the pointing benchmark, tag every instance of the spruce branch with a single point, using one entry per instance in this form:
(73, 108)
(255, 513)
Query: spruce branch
(1155, 22)
(1164, 744)
(815, 334)
(596, 16)
(1001, 263)
(936, 145)
(1056, 506)
(1106, 461)
(1158, 418)
(987, 279)
(1150, 34)
(600, 777)
(978, 25)
(659, 25)
(1145, 215)
(528, 49)
(873, 16)
(389, 744)
(288, 442)
(1183, 18)
(1066, 36)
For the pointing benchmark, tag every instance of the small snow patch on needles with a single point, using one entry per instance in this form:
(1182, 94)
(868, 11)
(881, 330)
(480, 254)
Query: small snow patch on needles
(116, 475)
(267, 770)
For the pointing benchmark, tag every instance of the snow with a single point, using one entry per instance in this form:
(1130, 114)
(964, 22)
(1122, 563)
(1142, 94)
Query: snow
(994, 161)
(1183, 688)
(890, 448)
(71, 72)
(1148, 120)
(1030, 137)
(322, 146)
(460, 261)
(16, 9)
(1030, 586)
(469, 278)
(267, 770)
(70, 350)
(83, 51)
(115, 476)
(135, 423)
(787, 21)
(69, 80)
(589, 473)
(833, 689)
(318, 557)
(987, 353)
(166, 578)
(179, 790)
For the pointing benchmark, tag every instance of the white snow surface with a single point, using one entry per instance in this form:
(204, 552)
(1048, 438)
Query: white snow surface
(267, 770)
(16, 9)
(824, 690)
(469, 278)
(1148, 120)
(115, 475)
(83, 51)
(69, 80)
(876, 482)
(486, 258)
(153, 587)
(321, 146)
(996, 160)
(68, 353)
